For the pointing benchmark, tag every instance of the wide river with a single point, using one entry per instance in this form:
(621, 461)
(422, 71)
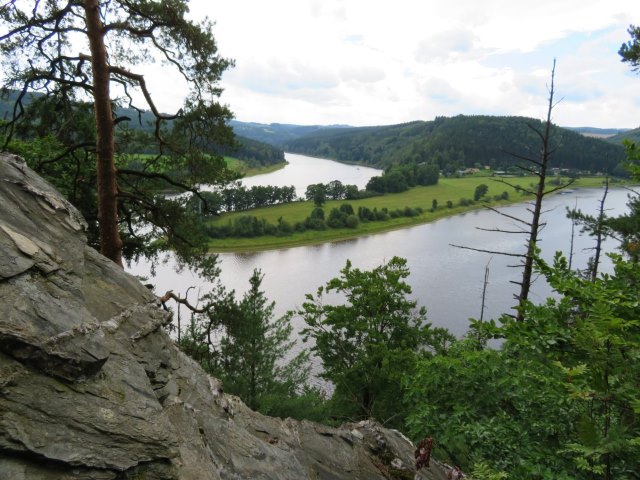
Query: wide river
(445, 279)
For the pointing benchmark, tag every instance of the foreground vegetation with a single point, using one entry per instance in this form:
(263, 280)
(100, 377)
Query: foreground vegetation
(558, 398)
(452, 195)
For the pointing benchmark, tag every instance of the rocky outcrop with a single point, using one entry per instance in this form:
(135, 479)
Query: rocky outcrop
(92, 387)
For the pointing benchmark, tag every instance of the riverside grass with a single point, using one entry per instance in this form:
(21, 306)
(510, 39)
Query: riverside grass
(447, 189)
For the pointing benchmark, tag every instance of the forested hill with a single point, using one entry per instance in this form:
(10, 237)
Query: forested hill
(631, 135)
(254, 153)
(457, 142)
(277, 134)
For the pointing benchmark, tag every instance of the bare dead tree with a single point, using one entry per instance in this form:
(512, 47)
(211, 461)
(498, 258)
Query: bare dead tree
(596, 227)
(599, 233)
(573, 236)
(484, 288)
(531, 228)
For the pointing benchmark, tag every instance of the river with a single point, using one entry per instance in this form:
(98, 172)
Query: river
(445, 279)
(302, 171)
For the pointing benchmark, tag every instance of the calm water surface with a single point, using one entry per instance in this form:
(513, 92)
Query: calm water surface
(445, 279)
(302, 171)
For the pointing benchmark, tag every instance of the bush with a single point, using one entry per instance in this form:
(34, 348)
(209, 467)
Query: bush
(284, 227)
(346, 208)
(410, 212)
(381, 215)
(318, 213)
(365, 214)
(449, 204)
(315, 224)
(336, 218)
(351, 221)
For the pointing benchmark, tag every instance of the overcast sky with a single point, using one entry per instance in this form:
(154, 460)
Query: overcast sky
(373, 62)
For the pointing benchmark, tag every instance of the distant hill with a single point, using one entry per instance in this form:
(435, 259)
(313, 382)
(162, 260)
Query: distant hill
(631, 135)
(598, 132)
(457, 142)
(277, 134)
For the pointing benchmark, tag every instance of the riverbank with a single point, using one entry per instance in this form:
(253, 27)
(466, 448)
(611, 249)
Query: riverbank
(241, 167)
(450, 191)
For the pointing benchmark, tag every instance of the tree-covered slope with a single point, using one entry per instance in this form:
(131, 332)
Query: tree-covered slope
(597, 132)
(457, 142)
(632, 135)
(255, 153)
(277, 134)
(252, 151)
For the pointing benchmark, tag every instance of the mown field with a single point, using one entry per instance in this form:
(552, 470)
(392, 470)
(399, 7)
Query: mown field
(447, 189)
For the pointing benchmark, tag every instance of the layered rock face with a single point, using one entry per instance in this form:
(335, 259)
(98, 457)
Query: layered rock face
(92, 387)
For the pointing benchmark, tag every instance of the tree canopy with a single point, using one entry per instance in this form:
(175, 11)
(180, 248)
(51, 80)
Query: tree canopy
(369, 342)
(630, 51)
(86, 53)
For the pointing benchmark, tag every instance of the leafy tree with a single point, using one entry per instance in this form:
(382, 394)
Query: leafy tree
(254, 345)
(336, 190)
(367, 344)
(624, 227)
(40, 54)
(602, 365)
(480, 191)
(630, 51)
(316, 192)
(253, 356)
(557, 399)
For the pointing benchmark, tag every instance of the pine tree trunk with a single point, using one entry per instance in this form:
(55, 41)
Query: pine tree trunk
(110, 241)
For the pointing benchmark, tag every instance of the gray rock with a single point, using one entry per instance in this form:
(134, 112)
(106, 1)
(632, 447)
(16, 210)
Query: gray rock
(92, 387)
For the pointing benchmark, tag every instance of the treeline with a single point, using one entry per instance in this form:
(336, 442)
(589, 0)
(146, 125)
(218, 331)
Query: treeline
(399, 178)
(254, 153)
(395, 179)
(237, 197)
(319, 193)
(249, 226)
(458, 142)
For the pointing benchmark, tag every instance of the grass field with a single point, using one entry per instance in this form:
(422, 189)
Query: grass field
(447, 189)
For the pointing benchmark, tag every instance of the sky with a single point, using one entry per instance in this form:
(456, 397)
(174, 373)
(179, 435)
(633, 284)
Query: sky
(373, 62)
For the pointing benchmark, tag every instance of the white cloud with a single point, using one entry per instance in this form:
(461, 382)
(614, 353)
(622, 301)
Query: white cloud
(365, 62)
(451, 45)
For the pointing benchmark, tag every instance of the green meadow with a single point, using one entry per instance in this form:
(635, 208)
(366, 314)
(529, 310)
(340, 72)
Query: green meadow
(447, 189)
